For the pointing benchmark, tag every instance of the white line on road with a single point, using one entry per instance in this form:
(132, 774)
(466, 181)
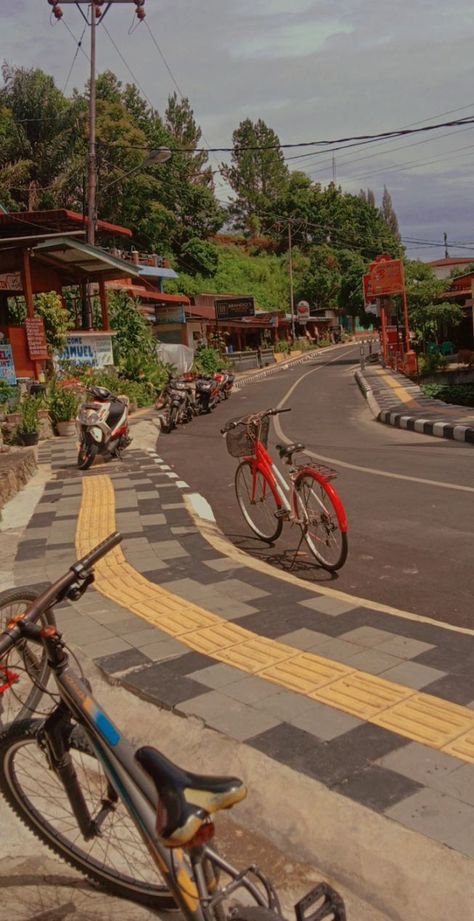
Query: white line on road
(371, 470)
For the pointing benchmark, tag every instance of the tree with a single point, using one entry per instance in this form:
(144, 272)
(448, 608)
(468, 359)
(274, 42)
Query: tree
(427, 311)
(368, 196)
(258, 174)
(388, 213)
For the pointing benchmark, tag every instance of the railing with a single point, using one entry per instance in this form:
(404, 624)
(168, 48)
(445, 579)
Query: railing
(137, 258)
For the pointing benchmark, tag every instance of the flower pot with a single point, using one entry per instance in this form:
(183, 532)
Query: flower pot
(14, 417)
(28, 438)
(66, 429)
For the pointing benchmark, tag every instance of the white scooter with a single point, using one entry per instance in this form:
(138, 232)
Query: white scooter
(102, 426)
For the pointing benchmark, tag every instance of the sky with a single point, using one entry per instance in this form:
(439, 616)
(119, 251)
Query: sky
(312, 70)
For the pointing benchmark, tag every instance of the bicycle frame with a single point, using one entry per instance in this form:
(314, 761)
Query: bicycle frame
(261, 461)
(194, 891)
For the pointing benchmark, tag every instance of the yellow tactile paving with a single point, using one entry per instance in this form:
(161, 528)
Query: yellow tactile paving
(362, 695)
(414, 715)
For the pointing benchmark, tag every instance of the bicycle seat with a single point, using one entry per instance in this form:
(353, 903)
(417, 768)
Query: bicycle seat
(288, 450)
(185, 799)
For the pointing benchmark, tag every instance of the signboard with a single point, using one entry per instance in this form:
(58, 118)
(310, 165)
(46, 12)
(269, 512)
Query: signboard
(95, 351)
(36, 338)
(385, 277)
(302, 311)
(234, 308)
(172, 314)
(7, 368)
(10, 281)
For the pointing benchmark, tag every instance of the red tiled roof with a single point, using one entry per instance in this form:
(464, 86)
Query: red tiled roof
(148, 294)
(463, 260)
(54, 220)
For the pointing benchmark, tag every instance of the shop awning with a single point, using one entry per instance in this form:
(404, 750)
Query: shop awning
(77, 261)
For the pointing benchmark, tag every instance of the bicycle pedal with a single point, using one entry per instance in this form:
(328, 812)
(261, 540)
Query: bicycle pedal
(281, 513)
(322, 902)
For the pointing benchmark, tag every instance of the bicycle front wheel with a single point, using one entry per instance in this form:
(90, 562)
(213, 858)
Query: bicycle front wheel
(258, 505)
(24, 670)
(322, 519)
(117, 859)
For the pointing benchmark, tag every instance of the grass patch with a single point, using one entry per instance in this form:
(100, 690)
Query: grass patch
(461, 394)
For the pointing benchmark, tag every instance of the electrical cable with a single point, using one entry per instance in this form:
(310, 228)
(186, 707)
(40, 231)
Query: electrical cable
(122, 58)
(79, 45)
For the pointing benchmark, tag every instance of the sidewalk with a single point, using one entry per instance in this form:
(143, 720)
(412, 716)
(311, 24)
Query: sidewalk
(370, 708)
(396, 400)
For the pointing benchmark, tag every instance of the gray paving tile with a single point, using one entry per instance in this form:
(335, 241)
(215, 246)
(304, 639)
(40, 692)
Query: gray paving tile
(241, 591)
(129, 521)
(125, 498)
(251, 690)
(372, 661)
(336, 649)
(366, 636)
(39, 533)
(146, 493)
(168, 549)
(285, 706)
(436, 815)
(216, 676)
(108, 616)
(404, 647)
(164, 649)
(376, 787)
(412, 674)
(229, 716)
(168, 506)
(326, 605)
(157, 518)
(458, 783)
(426, 765)
(141, 636)
(183, 529)
(95, 650)
(324, 722)
(222, 564)
(128, 624)
(304, 638)
(213, 597)
(146, 562)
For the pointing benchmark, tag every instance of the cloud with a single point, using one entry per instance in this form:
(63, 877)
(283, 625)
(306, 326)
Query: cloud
(311, 69)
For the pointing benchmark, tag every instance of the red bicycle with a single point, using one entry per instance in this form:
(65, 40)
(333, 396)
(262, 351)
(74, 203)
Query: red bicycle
(266, 499)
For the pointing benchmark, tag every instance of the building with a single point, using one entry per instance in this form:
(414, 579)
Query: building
(461, 291)
(443, 267)
(43, 251)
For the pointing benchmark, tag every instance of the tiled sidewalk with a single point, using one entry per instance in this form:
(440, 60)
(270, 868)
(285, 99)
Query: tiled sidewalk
(397, 401)
(347, 747)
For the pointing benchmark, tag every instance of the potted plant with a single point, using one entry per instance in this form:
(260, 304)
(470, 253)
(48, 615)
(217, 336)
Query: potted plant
(62, 404)
(28, 428)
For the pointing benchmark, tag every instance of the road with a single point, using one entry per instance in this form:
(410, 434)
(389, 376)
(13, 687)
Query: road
(409, 497)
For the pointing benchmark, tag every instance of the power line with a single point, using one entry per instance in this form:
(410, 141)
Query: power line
(122, 58)
(79, 46)
(165, 62)
(75, 39)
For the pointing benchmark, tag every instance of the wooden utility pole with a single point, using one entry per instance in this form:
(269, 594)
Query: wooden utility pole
(290, 271)
(93, 17)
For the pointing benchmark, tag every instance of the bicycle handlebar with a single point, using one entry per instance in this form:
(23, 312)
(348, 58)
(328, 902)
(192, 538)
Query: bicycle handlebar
(58, 590)
(252, 417)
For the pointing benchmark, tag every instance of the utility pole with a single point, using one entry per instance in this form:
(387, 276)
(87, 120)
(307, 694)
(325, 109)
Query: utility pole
(446, 253)
(93, 17)
(290, 270)
(334, 169)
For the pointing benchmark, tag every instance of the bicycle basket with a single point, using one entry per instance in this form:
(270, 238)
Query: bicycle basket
(240, 440)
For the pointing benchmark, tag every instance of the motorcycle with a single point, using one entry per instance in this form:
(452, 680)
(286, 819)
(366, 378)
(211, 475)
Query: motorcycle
(225, 382)
(102, 426)
(177, 404)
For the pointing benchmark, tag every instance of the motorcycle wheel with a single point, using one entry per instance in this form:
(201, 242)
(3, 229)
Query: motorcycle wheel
(87, 453)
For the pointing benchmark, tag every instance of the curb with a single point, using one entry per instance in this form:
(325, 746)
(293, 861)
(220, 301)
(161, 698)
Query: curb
(411, 423)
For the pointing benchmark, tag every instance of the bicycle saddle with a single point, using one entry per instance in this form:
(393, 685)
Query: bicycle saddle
(185, 799)
(288, 450)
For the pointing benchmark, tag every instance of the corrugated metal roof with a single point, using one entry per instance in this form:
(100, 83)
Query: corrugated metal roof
(154, 271)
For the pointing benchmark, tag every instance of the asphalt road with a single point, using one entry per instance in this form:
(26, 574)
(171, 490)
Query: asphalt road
(409, 497)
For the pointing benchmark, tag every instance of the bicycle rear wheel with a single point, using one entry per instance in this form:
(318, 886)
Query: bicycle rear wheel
(322, 519)
(260, 508)
(117, 860)
(24, 671)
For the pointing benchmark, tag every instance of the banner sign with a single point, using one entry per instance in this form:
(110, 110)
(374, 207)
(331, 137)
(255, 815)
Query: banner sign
(36, 338)
(234, 308)
(171, 314)
(95, 351)
(302, 311)
(7, 367)
(385, 277)
(10, 281)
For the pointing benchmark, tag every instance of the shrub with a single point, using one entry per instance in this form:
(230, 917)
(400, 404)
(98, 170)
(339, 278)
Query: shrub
(29, 409)
(461, 394)
(62, 403)
(282, 346)
(207, 360)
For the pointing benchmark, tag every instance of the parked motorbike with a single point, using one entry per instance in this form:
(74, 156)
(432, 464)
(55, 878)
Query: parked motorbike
(225, 381)
(102, 426)
(176, 404)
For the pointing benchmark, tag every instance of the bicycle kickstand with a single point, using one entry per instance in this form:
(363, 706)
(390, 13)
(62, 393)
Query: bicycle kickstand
(296, 551)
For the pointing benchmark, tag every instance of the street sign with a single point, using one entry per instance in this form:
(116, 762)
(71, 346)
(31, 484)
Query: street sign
(36, 338)
(385, 276)
(7, 367)
(234, 308)
(302, 311)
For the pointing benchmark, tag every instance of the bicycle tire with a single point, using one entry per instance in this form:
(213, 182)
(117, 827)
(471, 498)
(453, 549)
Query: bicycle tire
(87, 454)
(261, 513)
(324, 524)
(18, 769)
(21, 699)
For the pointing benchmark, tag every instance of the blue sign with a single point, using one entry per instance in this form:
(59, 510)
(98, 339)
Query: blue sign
(7, 367)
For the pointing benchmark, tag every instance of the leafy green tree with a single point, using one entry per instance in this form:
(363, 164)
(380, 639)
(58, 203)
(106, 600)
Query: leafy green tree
(201, 256)
(257, 176)
(322, 281)
(427, 311)
(388, 213)
(133, 339)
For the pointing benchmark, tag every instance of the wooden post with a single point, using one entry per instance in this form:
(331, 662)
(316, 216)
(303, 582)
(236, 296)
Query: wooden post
(28, 295)
(104, 306)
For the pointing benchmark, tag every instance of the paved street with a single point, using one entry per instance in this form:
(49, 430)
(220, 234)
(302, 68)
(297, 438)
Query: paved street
(368, 706)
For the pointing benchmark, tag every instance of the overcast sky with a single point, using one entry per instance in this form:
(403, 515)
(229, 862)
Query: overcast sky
(313, 70)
